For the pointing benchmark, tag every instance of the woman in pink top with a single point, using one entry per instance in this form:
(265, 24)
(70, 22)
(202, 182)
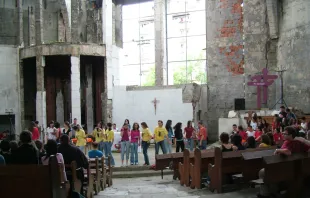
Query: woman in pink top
(125, 143)
(51, 149)
(135, 142)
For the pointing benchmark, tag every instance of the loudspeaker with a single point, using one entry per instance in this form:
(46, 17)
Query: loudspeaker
(239, 104)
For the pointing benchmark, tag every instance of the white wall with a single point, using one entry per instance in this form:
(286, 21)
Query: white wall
(9, 81)
(137, 106)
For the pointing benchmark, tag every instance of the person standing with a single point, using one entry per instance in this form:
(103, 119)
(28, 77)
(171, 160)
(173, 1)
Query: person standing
(134, 144)
(75, 123)
(179, 137)
(189, 131)
(146, 138)
(108, 139)
(160, 133)
(35, 131)
(128, 124)
(67, 129)
(170, 135)
(98, 134)
(203, 136)
(81, 137)
(125, 143)
(50, 132)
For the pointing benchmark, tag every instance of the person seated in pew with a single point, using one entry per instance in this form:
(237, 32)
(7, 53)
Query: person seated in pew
(95, 152)
(270, 135)
(5, 151)
(26, 153)
(250, 142)
(72, 153)
(226, 146)
(2, 160)
(39, 146)
(265, 141)
(237, 141)
(291, 145)
(277, 136)
(250, 132)
(258, 134)
(51, 149)
(242, 133)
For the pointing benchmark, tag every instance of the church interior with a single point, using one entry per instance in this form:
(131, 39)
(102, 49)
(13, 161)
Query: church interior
(222, 67)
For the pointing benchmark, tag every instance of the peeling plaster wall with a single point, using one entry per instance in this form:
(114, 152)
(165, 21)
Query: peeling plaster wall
(225, 59)
(8, 23)
(293, 52)
(9, 90)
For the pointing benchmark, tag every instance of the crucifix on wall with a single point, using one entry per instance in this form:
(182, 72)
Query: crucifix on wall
(155, 101)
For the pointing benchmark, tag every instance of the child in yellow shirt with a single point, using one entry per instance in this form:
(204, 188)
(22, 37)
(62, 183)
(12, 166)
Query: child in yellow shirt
(81, 137)
(108, 139)
(160, 133)
(98, 134)
(146, 138)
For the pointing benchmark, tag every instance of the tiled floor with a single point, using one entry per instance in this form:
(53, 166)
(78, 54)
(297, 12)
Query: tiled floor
(155, 187)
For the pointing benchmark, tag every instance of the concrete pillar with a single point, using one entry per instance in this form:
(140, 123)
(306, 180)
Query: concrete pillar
(32, 26)
(104, 93)
(256, 37)
(225, 59)
(60, 108)
(20, 23)
(89, 98)
(75, 88)
(41, 94)
(160, 60)
(39, 21)
(75, 8)
(21, 97)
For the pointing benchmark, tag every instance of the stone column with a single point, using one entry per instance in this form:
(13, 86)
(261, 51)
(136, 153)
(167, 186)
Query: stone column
(21, 97)
(20, 23)
(39, 21)
(160, 61)
(225, 59)
(256, 37)
(89, 98)
(75, 88)
(104, 93)
(41, 94)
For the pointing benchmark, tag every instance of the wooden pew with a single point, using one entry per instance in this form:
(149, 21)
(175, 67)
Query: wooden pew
(200, 165)
(162, 162)
(255, 161)
(176, 159)
(94, 170)
(184, 167)
(226, 163)
(280, 168)
(33, 181)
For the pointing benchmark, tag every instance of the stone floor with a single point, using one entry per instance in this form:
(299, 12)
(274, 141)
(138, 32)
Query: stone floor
(155, 187)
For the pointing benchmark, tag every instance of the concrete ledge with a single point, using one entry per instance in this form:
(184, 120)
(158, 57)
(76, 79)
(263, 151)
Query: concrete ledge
(145, 173)
(63, 49)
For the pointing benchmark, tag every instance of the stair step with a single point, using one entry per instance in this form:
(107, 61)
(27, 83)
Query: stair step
(131, 168)
(144, 173)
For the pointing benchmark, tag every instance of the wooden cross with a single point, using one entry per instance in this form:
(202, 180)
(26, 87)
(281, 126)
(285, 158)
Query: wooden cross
(155, 104)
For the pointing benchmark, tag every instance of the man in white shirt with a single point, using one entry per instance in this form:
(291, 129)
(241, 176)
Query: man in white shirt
(114, 128)
(250, 132)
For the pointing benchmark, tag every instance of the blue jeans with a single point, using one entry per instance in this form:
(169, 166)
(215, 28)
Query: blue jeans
(145, 146)
(134, 153)
(82, 148)
(125, 147)
(108, 151)
(190, 144)
(168, 146)
(160, 144)
(203, 145)
(101, 146)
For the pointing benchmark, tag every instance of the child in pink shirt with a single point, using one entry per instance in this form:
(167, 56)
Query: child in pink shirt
(135, 142)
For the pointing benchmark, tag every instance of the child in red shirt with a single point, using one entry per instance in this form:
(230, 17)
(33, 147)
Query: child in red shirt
(242, 133)
(277, 136)
(258, 133)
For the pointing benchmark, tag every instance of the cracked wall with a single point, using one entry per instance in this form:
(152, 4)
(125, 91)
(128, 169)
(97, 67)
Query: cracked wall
(293, 52)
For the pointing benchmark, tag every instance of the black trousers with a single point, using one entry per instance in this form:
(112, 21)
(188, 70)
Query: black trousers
(179, 144)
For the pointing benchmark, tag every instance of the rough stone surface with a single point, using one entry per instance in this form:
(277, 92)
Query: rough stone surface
(225, 59)
(293, 53)
(41, 94)
(256, 39)
(75, 88)
(39, 21)
(89, 97)
(60, 108)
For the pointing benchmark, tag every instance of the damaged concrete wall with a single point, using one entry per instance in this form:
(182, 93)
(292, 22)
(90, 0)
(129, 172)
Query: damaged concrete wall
(293, 52)
(225, 59)
(8, 22)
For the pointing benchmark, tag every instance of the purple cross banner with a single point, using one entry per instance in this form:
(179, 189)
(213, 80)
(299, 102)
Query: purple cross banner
(264, 80)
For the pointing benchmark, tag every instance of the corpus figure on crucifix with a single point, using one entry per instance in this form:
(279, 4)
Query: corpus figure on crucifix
(264, 81)
(155, 101)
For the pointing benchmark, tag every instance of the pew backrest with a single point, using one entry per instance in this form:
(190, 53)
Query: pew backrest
(163, 161)
(33, 181)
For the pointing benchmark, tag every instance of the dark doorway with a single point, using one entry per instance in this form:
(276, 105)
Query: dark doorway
(30, 89)
(57, 74)
(7, 125)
